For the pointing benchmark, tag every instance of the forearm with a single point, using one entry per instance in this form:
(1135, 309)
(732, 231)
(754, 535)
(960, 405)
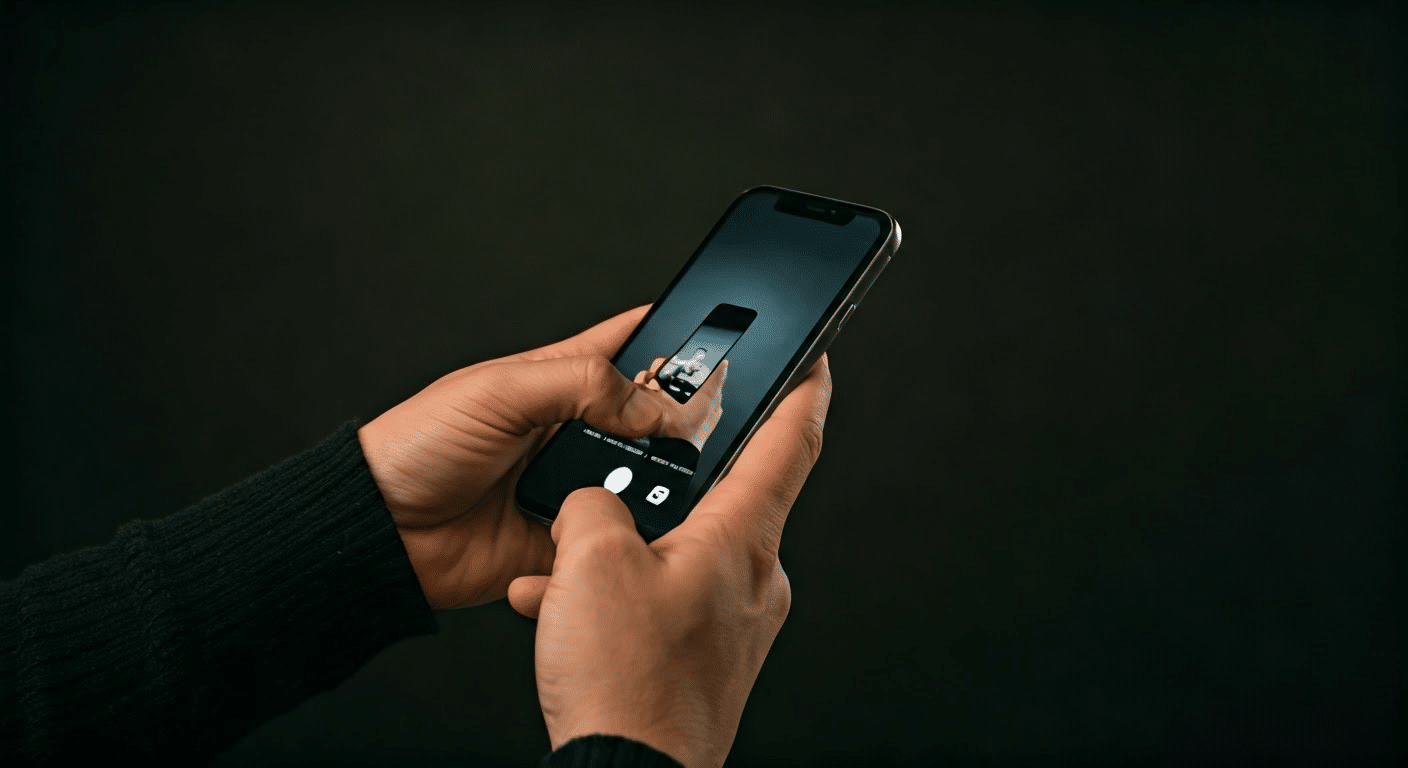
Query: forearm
(185, 633)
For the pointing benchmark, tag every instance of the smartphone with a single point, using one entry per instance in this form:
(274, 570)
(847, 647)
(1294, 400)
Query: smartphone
(769, 288)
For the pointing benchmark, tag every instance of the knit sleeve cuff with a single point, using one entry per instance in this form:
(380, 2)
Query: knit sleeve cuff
(185, 633)
(296, 576)
(604, 751)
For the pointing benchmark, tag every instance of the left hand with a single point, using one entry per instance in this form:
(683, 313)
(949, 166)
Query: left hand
(448, 459)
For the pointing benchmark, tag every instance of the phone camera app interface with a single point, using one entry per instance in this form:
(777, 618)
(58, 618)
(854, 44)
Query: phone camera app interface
(716, 348)
(652, 474)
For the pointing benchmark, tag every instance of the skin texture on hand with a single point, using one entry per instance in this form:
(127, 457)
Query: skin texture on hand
(662, 642)
(448, 459)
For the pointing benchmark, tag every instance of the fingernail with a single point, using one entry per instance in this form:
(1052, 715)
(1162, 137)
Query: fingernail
(641, 411)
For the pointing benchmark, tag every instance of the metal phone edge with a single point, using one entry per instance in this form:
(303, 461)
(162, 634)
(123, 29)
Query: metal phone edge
(819, 346)
(823, 340)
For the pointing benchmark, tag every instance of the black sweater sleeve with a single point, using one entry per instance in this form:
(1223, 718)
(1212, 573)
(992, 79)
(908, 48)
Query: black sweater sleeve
(183, 634)
(603, 751)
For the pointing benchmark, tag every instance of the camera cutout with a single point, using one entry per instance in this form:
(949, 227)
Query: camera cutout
(812, 208)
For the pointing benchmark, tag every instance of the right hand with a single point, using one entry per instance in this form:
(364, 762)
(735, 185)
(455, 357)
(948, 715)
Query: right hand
(662, 642)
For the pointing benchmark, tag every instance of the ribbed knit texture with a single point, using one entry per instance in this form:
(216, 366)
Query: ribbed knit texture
(183, 634)
(601, 751)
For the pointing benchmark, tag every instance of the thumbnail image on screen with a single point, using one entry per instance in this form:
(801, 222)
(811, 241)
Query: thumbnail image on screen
(754, 298)
(652, 474)
(684, 373)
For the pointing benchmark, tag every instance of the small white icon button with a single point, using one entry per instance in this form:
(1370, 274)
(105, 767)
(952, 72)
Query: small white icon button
(658, 495)
(619, 478)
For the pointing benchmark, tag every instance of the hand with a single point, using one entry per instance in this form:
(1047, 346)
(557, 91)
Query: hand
(448, 459)
(693, 420)
(662, 642)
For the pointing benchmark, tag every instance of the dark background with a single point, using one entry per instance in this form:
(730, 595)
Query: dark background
(1109, 470)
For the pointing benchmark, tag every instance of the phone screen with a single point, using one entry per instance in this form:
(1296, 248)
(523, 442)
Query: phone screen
(682, 375)
(757, 292)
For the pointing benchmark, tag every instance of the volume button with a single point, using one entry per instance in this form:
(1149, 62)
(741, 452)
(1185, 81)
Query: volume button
(845, 317)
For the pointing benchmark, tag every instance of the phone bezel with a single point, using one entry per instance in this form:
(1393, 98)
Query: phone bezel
(818, 339)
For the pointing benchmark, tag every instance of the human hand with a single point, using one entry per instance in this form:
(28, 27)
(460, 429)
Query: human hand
(662, 642)
(448, 459)
(695, 419)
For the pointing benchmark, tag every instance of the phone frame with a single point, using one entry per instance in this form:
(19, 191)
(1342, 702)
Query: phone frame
(819, 339)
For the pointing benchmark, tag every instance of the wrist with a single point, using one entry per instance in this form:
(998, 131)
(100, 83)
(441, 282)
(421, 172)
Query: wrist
(653, 744)
(608, 748)
(666, 734)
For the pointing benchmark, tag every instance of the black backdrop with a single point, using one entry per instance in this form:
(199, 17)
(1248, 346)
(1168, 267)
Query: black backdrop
(1108, 471)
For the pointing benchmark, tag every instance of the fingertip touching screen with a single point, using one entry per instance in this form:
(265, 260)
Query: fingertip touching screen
(755, 294)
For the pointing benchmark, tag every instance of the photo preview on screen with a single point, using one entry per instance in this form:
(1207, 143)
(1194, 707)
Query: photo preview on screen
(683, 374)
(748, 315)
(652, 474)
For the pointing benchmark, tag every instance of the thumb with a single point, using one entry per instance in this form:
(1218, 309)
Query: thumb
(716, 382)
(586, 514)
(525, 594)
(589, 514)
(541, 393)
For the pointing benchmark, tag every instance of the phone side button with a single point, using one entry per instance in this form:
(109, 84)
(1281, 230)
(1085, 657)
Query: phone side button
(845, 317)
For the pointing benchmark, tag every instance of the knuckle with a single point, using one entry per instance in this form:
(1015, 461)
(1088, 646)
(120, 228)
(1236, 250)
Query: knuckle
(812, 439)
(603, 546)
(780, 602)
(750, 576)
(492, 378)
(813, 431)
(772, 589)
(591, 371)
(762, 562)
(759, 555)
(595, 380)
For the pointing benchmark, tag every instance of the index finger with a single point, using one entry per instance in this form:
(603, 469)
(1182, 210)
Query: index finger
(754, 498)
(604, 338)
